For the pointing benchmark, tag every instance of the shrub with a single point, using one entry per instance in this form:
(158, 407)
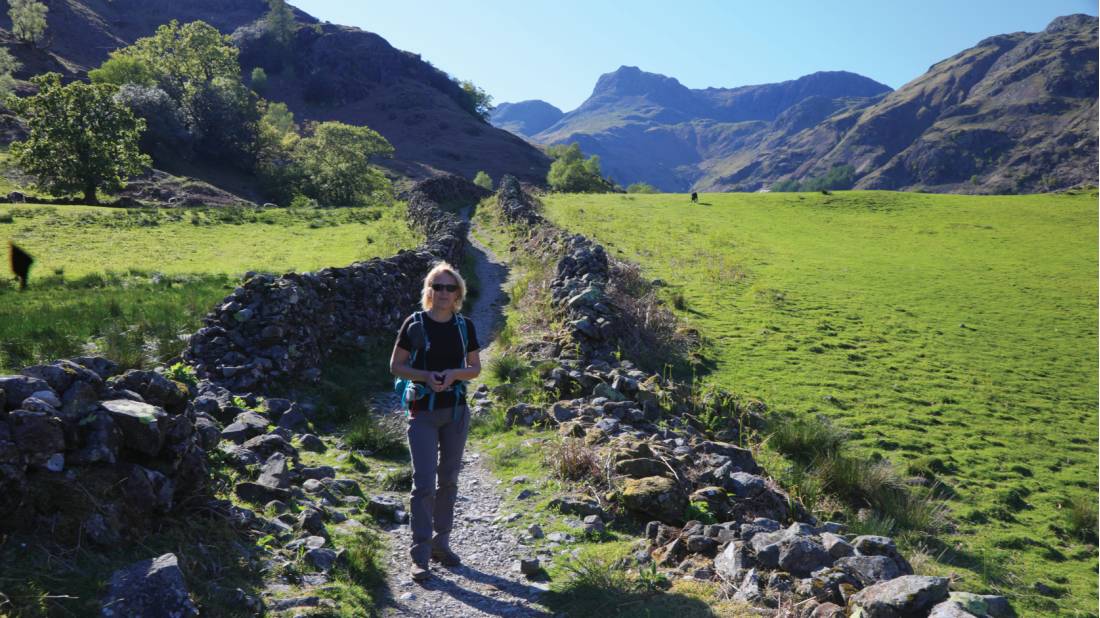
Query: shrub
(572, 173)
(508, 368)
(259, 80)
(572, 460)
(165, 124)
(642, 187)
(28, 20)
(483, 180)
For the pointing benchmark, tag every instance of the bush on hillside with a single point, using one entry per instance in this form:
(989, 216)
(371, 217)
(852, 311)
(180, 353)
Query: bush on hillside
(475, 100)
(335, 163)
(259, 80)
(572, 173)
(642, 187)
(483, 180)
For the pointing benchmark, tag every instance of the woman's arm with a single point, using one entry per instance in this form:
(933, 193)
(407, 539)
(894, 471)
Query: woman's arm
(469, 372)
(399, 366)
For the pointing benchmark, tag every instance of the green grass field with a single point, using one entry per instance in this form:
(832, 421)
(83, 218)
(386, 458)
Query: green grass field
(947, 332)
(128, 283)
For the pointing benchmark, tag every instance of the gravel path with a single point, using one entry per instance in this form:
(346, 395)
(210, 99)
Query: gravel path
(486, 584)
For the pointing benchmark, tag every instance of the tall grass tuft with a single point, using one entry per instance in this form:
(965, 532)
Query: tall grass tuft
(382, 437)
(1081, 511)
(806, 439)
(508, 368)
(572, 460)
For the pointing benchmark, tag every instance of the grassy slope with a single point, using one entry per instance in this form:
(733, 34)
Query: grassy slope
(957, 327)
(131, 281)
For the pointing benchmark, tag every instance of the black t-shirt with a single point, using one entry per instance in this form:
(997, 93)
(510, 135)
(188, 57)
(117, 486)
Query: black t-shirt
(445, 352)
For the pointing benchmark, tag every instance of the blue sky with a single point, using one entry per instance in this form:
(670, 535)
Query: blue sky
(555, 50)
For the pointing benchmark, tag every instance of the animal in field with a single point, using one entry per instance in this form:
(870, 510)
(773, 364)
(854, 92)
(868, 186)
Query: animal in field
(694, 197)
(20, 264)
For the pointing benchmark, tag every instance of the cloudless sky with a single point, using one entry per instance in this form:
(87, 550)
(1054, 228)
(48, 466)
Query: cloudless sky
(555, 50)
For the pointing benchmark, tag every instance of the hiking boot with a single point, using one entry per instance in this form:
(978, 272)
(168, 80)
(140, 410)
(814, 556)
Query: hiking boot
(445, 556)
(419, 572)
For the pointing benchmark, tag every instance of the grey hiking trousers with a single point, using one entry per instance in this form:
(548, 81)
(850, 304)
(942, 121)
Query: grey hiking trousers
(436, 442)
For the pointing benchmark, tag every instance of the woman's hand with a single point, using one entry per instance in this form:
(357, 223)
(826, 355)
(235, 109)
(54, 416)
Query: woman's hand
(448, 379)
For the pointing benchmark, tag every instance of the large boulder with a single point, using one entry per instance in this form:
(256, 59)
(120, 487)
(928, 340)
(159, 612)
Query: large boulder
(142, 425)
(154, 388)
(37, 435)
(151, 589)
(902, 597)
(18, 388)
(656, 497)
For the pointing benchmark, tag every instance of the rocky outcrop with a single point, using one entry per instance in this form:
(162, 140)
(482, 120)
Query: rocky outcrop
(279, 328)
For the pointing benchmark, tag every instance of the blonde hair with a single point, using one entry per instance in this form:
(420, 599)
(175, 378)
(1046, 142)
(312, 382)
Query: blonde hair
(426, 295)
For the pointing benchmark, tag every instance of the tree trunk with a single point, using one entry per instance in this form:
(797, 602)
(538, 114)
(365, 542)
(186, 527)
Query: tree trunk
(89, 194)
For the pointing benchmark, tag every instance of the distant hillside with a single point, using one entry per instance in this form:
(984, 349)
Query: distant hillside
(1015, 113)
(525, 118)
(337, 73)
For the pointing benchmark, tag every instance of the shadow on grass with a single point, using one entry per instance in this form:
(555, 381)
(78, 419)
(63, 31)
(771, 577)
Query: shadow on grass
(593, 600)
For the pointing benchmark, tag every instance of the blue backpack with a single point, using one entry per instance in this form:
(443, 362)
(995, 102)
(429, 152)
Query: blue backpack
(411, 391)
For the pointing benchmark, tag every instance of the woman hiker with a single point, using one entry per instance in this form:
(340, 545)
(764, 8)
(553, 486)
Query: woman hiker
(435, 354)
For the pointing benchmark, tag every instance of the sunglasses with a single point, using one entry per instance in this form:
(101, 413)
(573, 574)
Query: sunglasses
(439, 287)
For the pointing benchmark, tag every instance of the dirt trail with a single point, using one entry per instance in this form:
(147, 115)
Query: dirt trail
(486, 584)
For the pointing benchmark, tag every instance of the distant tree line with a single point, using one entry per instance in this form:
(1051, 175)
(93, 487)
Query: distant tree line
(840, 177)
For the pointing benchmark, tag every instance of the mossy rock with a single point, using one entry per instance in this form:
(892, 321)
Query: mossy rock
(655, 497)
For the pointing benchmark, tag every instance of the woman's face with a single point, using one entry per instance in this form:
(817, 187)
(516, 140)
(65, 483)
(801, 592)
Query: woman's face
(443, 299)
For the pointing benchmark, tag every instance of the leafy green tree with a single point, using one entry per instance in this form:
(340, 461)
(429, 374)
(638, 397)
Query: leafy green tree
(259, 80)
(839, 177)
(276, 166)
(477, 101)
(80, 138)
(182, 58)
(570, 172)
(483, 180)
(8, 65)
(641, 187)
(224, 115)
(28, 20)
(122, 70)
(336, 163)
(280, 23)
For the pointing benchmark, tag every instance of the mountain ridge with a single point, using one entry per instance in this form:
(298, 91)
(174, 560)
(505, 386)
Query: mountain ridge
(1009, 114)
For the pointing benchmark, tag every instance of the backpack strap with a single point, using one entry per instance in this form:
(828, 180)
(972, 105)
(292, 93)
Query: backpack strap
(459, 387)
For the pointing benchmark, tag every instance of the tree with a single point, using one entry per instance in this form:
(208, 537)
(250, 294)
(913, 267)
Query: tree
(476, 101)
(122, 70)
(80, 138)
(28, 20)
(259, 80)
(280, 23)
(183, 58)
(8, 65)
(335, 162)
(572, 173)
(641, 187)
(224, 115)
(275, 163)
(483, 180)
